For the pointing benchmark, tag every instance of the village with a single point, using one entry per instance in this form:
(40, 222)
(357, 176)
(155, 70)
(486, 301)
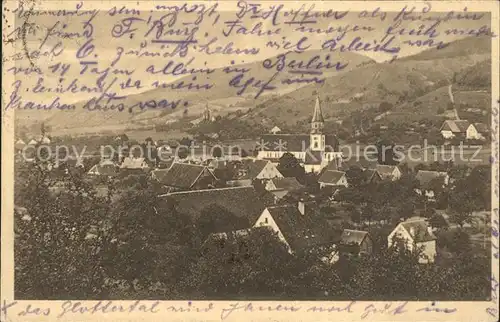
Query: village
(303, 191)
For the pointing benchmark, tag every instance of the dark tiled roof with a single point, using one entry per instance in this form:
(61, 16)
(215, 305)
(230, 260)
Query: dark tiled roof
(299, 230)
(251, 168)
(363, 162)
(331, 177)
(181, 175)
(353, 236)
(369, 175)
(481, 127)
(288, 184)
(313, 157)
(455, 126)
(385, 170)
(425, 177)
(243, 202)
(418, 230)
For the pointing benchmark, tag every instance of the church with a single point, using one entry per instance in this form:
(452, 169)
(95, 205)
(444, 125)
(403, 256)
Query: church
(314, 150)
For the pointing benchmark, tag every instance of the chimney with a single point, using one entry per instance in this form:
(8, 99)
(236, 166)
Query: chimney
(412, 231)
(302, 207)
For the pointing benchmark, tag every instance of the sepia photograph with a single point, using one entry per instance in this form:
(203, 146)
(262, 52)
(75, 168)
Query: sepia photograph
(251, 151)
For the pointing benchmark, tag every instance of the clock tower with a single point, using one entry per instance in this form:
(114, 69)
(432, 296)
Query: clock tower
(317, 123)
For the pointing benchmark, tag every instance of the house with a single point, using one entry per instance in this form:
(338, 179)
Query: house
(19, 145)
(106, 168)
(477, 131)
(429, 181)
(250, 169)
(356, 242)
(134, 163)
(185, 176)
(368, 161)
(275, 130)
(242, 202)
(454, 128)
(314, 150)
(280, 187)
(332, 178)
(297, 231)
(371, 176)
(416, 233)
(389, 172)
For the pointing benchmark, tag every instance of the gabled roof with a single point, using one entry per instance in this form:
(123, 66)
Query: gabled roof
(105, 168)
(370, 174)
(455, 126)
(287, 183)
(313, 157)
(252, 168)
(180, 175)
(385, 169)
(482, 128)
(19, 144)
(361, 161)
(353, 236)
(418, 230)
(299, 230)
(425, 177)
(331, 177)
(133, 163)
(243, 202)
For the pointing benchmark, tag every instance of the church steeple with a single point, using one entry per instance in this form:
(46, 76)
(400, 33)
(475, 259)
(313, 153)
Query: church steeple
(317, 119)
(206, 114)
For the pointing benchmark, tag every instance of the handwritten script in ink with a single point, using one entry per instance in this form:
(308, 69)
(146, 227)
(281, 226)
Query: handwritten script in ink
(147, 56)
(75, 309)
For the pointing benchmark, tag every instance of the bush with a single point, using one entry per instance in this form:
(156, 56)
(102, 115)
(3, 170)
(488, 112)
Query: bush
(440, 110)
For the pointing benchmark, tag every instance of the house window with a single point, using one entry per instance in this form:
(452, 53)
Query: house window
(266, 221)
(315, 145)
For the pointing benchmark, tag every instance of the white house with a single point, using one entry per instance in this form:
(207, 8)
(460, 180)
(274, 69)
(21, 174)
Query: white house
(416, 233)
(477, 131)
(275, 130)
(252, 169)
(390, 172)
(453, 128)
(134, 163)
(293, 227)
(427, 180)
(332, 178)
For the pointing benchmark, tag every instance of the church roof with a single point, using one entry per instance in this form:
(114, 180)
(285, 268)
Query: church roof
(293, 142)
(317, 114)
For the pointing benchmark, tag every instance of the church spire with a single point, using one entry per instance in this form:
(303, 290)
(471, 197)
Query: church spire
(206, 114)
(317, 119)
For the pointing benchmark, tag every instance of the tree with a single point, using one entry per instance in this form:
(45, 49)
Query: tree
(355, 177)
(289, 166)
(254, 265)
(59, 244)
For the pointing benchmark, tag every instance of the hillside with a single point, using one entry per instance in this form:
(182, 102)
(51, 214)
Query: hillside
(400, 83)
(221, 98)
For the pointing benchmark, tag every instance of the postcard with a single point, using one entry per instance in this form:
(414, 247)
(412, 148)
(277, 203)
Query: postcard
(250, 160)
